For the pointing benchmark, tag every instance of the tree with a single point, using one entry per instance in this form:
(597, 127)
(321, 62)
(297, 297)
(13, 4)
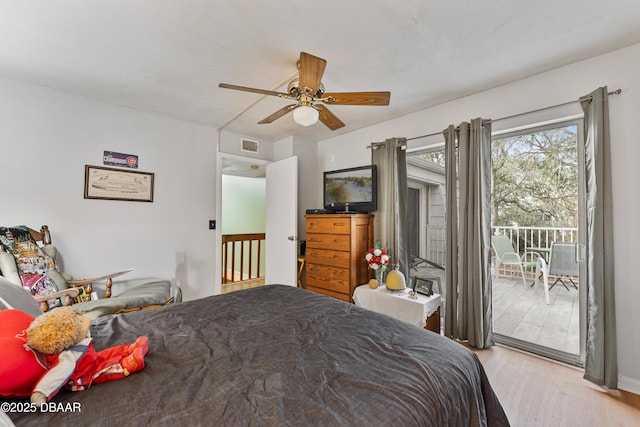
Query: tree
(534, 178)
(434, 156)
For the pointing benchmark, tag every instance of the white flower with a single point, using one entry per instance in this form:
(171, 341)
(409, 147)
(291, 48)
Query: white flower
(368, 257)
(385, 259)
(374, 266)
(377, 251)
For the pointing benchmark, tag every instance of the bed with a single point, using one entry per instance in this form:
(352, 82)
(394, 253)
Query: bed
(279, 355)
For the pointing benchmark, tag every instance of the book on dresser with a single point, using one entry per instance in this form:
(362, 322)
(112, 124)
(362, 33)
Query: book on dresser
(335, 249)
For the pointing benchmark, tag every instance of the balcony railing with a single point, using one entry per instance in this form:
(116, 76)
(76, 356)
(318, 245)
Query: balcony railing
(436, 243)
(536, 237)
(522, 238)
(241, 256)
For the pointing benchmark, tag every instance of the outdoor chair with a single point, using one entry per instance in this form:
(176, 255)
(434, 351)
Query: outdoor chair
(424, 269)
(506, 255)
(563, 264)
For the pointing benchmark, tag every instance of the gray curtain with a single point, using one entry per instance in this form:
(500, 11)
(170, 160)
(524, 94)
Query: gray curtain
(390, 222)
(468, 215)
(601, 365)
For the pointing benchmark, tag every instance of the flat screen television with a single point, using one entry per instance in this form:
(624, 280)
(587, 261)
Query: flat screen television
(351, 190)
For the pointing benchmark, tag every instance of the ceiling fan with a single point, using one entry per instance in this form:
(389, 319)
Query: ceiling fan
(308, 92)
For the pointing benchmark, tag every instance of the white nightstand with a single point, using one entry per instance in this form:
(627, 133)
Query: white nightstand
(423, 312)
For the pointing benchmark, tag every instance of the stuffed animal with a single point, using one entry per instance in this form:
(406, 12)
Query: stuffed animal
(62, 343)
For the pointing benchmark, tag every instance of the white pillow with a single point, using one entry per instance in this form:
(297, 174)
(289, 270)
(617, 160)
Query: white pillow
(8, 268)
(12, 296)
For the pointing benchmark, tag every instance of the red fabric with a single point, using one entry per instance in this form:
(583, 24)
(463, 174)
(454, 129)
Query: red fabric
(95, 367)
(19, 367)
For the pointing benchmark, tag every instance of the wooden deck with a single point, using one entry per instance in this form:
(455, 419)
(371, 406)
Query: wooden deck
(522, 313)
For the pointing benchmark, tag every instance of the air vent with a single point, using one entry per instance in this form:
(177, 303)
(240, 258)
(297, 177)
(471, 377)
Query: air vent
(250, 146)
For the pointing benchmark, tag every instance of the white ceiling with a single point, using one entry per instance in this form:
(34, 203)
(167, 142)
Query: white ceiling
(168, 56)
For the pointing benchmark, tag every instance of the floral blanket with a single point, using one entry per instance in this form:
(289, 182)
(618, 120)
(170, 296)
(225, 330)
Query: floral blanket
(33, 264)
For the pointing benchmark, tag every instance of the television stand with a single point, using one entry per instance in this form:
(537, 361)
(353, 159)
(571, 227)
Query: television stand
(346, 210)
(320, 211)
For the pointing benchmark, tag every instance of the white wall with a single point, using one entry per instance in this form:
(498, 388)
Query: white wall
(620, 69)
(230, 143)
(46, 139)
(306, 151)
(307, 159)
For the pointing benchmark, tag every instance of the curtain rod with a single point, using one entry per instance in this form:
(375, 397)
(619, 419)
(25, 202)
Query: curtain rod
(615, 92)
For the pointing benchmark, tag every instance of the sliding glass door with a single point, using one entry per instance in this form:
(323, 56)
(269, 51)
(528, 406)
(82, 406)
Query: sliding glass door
(538, 202)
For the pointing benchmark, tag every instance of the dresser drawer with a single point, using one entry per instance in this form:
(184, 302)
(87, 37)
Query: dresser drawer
(332, 278)
(328, 257)
(336, 242)
(330, 225)
(337, 295)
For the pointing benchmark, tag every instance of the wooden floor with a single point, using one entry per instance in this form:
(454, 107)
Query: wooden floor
(522, 313)
(244, 284)
(535, 391)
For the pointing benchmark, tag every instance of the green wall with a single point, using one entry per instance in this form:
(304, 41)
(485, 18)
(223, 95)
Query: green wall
(243, 208)
(243, 204)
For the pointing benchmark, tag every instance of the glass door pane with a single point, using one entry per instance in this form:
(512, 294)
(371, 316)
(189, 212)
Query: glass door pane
(536, 187)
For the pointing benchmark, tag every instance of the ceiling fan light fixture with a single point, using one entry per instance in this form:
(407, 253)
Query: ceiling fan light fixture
(305, 115)
(308, 92)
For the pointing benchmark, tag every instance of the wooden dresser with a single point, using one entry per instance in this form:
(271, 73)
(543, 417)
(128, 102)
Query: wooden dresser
(336, 247)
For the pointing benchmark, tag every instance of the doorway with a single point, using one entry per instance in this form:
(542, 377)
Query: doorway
(278, 196)
(414, 212)
(426, 203)
(537, 201)
(241, 204)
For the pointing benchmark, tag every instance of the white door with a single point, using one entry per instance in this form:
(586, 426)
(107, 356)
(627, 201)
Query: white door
(281, 227)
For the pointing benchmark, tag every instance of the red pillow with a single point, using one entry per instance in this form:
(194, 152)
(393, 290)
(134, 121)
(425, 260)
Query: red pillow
(19, 368)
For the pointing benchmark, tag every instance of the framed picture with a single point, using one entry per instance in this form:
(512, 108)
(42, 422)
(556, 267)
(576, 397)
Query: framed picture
(117, 184)
(423, 286)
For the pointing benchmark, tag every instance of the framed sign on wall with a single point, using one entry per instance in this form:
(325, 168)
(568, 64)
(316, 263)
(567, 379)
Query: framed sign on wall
(117, 184)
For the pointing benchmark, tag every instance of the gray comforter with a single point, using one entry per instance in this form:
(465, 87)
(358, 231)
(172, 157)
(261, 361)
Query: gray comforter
(279, 355)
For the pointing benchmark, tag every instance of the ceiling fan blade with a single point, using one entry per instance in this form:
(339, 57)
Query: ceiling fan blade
(328, 118)
(311, 68)
(250, 89)
(281, 112)
(358, 98)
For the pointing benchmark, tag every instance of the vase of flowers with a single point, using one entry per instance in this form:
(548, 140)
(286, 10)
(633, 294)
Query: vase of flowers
(378, 261)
